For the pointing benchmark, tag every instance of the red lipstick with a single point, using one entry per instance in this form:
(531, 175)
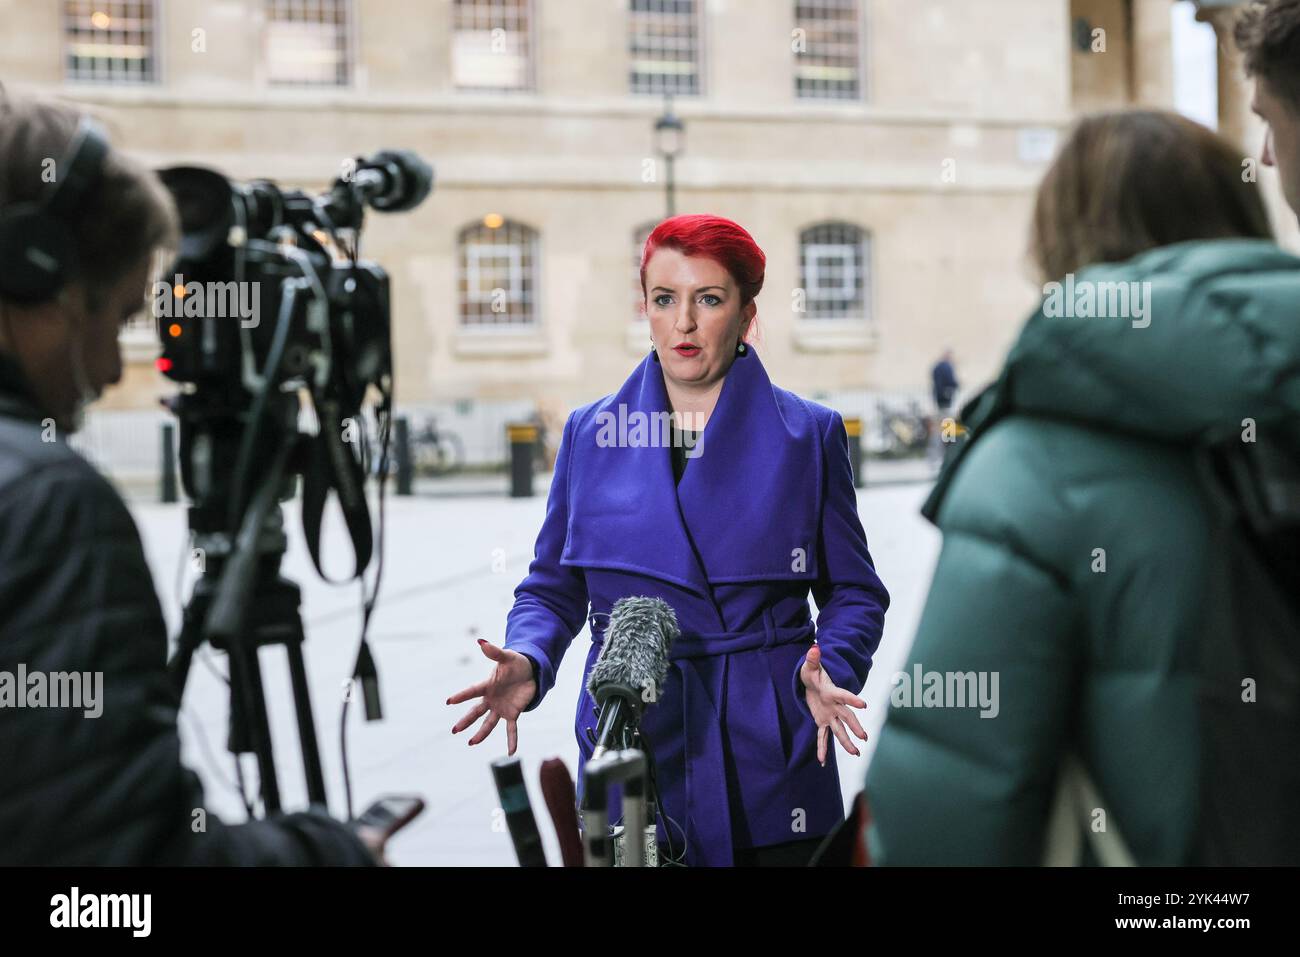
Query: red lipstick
(686, 349)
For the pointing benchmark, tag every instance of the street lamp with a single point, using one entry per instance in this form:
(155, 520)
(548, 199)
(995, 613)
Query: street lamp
(670, 138)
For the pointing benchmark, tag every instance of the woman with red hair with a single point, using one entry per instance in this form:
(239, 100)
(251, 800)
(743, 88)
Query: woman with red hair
(749, 508)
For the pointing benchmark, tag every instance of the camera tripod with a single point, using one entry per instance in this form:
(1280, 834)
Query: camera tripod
(241, 604)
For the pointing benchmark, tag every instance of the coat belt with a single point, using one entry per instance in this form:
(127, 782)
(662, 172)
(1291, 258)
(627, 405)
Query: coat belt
(708, 809)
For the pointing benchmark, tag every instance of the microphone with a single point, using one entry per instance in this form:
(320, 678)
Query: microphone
(508, 774)
(631, 668)
(393, 181)
(562, 801)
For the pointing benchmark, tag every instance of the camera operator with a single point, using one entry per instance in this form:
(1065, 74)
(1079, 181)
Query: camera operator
(78, 226)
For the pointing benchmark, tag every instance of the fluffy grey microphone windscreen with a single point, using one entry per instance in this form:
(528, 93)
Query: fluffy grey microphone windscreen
(640, 634)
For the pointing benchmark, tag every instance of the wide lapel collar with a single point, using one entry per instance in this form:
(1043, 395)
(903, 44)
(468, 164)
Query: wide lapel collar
(748, 505)
(751, 496)
(623, 509)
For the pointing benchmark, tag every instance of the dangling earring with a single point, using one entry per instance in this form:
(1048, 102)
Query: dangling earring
(740, 348)
(653, 351)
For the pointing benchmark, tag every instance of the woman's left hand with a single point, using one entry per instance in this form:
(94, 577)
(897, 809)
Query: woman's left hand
(830, 706)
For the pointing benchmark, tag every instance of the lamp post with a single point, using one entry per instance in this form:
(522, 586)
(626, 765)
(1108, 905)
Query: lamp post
(670, 135)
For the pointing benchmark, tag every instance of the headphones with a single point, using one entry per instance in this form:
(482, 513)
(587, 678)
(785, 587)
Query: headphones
(38, 249)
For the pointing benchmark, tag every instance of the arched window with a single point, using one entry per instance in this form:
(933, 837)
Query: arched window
(834, 271)
(498, 274)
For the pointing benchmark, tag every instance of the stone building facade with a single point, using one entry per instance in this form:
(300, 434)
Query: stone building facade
(884, 154)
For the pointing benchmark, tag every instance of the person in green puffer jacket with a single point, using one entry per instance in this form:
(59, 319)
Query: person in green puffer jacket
(1079, 559)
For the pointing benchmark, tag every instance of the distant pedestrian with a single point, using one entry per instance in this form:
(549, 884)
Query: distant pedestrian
(945, 384)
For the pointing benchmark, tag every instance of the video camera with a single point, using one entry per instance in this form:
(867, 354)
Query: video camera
(254, 251)
(268, 303)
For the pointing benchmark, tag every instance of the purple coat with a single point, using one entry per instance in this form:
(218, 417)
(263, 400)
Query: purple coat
(765, 512)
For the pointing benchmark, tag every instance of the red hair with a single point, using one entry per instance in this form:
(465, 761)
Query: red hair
(716, 238)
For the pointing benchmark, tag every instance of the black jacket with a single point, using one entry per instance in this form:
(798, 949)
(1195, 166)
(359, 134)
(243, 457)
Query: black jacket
(76, 596)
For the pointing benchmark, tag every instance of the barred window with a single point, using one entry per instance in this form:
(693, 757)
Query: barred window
(308, 42)
(833, 271)
(827, 56)
(665, 48)
(492, 46)
(110, 41)
(498, 274)
(639, 236)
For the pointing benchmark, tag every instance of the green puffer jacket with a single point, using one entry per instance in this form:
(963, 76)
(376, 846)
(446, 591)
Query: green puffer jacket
(1081, 458)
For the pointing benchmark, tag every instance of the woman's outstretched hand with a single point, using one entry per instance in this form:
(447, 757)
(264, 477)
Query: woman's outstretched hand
(504, 694)
(830, 706)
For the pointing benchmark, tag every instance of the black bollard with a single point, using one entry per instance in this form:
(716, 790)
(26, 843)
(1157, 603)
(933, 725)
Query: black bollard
(402, 454)
(853, 427)
(953, 435)
(522, 440)
(167, 486)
